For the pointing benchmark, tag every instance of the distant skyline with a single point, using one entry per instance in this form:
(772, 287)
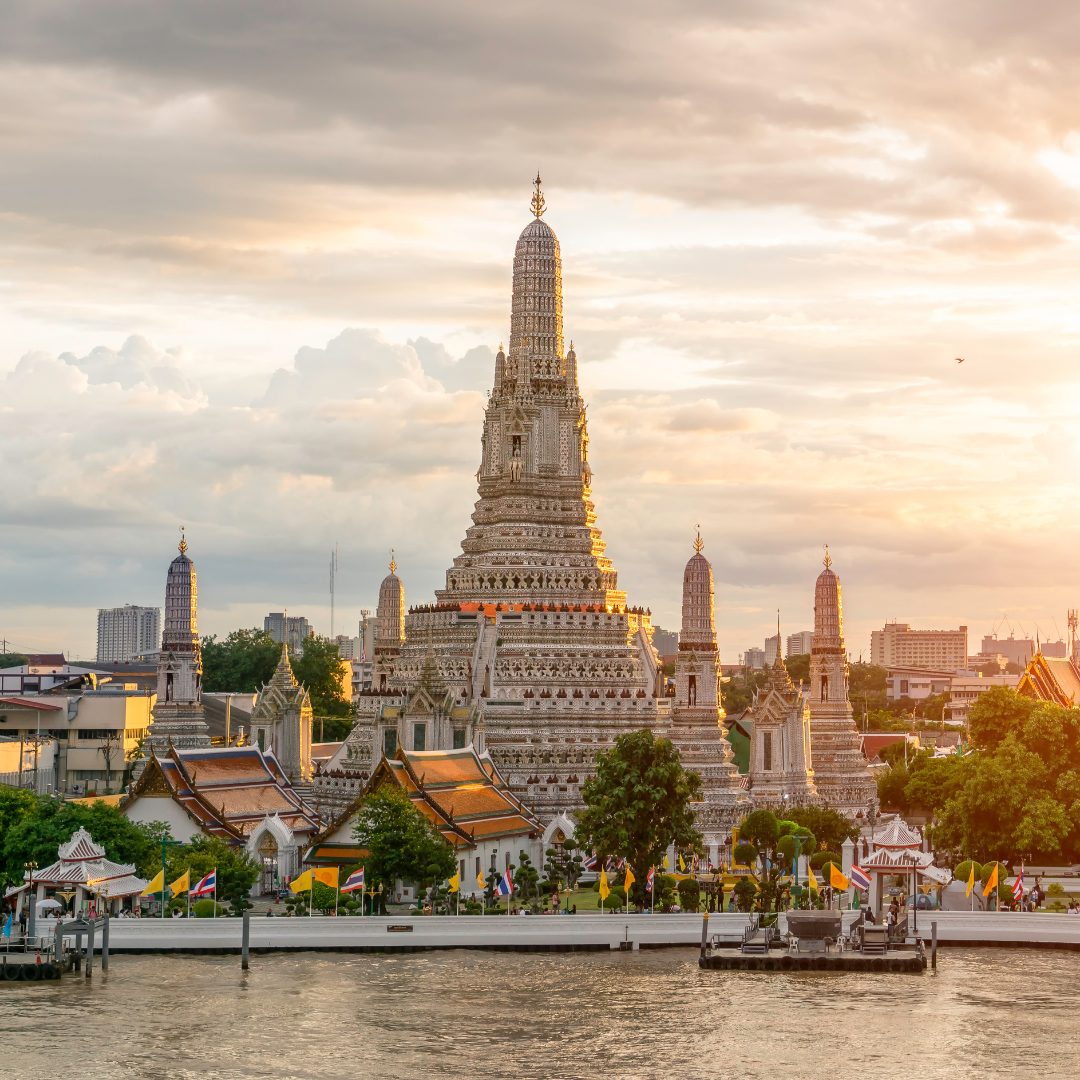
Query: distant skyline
(254, 267)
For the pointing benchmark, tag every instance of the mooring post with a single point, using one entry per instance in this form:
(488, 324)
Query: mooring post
(91, 923)
(58, 944)
(105, 944)
(244, 941)
(704, 933)
(933, 945)
(78, 950)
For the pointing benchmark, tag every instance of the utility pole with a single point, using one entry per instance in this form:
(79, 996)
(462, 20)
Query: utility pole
(333, 574)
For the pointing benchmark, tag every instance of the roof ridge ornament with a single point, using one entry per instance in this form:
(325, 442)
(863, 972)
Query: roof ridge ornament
(538, 204)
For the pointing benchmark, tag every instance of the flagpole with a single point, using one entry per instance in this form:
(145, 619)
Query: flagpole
(337, 894)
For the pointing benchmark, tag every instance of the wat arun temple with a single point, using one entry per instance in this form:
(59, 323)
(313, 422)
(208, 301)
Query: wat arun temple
(533, 655)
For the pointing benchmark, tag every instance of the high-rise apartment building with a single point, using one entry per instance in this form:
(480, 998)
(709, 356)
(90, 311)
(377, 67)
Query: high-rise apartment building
(897, 645)
(294, 629)
(800, 644)
(772, 647)
(126, 632)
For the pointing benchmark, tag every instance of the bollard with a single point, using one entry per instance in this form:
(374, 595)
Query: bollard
(704, 933)
(78, 951)
(105, 944)
(933, 946)
(244, 941)
(92, 923)
(58, 945)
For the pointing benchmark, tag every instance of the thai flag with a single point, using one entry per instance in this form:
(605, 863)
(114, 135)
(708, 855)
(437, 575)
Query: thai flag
(649, 880)
(590, 862)
(207, 885)
(859, 878)
(356, 881)
(1018, 885)
(505, 886)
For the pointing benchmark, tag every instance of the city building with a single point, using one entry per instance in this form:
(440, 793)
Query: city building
(292, 630)
(772, 649)
(799, 644)
(124, 633)
(917, 683)
(897, 645)
(665, 642)
(840, 774)
(178, 719)
(965, 689)
(754, 658)
(348, 647)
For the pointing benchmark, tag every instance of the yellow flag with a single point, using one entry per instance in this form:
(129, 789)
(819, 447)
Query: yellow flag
(302, 883)
(971, 880)
(991, 885)
(156, 885)
(605, 890)
(328, 875)
(480, 880)
(666, 863)
(682, 865)
(630, 879)
(455, 883)
(181, 884)
(836, 879)
(813, 880)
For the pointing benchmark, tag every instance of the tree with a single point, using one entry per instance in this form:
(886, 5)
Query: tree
(39, 830)
(996, 714)
(526, 879)
(13, 659)
(830, 828)
(401, 843)
(798, 668)
(236, 872)
(736, 695)
(243, 662)
(867, 686)
(320, 671)
(638, 804)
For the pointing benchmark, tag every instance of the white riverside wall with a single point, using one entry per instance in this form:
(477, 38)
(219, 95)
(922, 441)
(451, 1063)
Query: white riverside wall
(545, 931)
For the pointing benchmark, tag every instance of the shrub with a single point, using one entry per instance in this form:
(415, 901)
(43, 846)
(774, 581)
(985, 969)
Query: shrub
(745, 892)
(963, 871)
(988, 869)
(818, 860)
(689, 895)
(204, 909)
(1056, 889)
(745, 854)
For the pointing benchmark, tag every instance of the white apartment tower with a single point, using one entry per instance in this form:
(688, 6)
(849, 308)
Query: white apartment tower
(126, 632)
(897, 645)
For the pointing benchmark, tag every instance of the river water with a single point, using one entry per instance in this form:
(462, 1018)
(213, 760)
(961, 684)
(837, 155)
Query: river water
(985, 1013)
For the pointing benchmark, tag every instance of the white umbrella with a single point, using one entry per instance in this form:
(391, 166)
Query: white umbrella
(49, 904)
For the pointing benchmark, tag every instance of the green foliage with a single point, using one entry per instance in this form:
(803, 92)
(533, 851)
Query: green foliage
(883, 720)
(331, 728)
(236, 873)
(963, 871)
(526, 880)
(736, 695)
(798, 668)
(665, 891)
(830, 827)
(818, 860)
(866, 686)
(689, 895)
(761, 828)
(998, 713)
(400, 841)
(745, 854)
(638, 804)
(320, 671)
(13, 659)
(243, 662)
(32, 831)
(988, 868)
(745, 894)
(204, 909)
(1055, 889)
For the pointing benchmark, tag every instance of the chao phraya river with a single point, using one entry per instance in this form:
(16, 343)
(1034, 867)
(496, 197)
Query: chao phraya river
(985, 1013)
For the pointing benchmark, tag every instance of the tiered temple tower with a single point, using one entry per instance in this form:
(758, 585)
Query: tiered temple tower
(178, 712)
(840, 772)
(697, 717)
(530, 649)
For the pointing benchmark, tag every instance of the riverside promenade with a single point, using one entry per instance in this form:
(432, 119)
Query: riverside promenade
(545, 932)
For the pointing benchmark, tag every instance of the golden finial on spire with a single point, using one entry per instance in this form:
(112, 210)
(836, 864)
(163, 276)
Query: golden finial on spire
(828, 561)
(538, 205)
(183, 541)
(698, 543)
(393, 564)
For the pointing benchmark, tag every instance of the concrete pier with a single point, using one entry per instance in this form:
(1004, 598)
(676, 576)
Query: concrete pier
(410, 933)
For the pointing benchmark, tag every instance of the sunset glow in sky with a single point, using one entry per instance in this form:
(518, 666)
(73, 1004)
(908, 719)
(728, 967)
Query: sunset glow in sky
(255, 262)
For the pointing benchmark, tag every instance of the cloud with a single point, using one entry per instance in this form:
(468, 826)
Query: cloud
(707, 415)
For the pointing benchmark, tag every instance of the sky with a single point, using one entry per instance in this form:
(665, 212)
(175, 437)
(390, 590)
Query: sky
(255, 262)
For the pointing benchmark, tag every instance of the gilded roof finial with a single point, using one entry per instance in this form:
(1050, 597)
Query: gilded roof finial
(393, 564)
(183, 541)
(538, 206)
(698, 543)
(828, 560)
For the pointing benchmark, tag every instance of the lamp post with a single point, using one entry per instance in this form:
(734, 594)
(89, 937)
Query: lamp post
(165, 845)
(31, 867)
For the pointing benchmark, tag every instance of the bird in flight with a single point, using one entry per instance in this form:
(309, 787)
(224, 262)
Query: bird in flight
(959, 361)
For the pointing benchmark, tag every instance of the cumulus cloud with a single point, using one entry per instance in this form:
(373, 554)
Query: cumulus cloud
(708, 415)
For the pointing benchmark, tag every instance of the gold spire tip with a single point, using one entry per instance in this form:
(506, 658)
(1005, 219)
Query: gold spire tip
(183, 541)
(393, 563)
(538, 205)
(698, 543)
(828, 560)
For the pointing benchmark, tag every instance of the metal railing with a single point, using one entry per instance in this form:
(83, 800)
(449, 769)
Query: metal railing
(38, 780)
